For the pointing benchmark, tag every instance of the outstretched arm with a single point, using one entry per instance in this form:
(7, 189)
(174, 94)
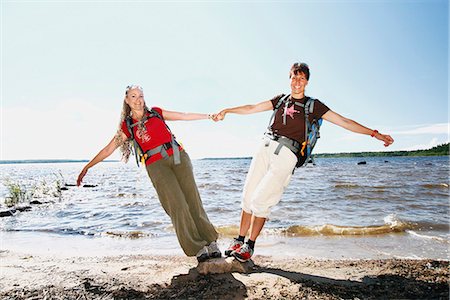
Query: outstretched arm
(176, 116)
(246, 109)
(104, 153)
(351, 125)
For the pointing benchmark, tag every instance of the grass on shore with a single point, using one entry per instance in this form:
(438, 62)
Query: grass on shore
(19, 193)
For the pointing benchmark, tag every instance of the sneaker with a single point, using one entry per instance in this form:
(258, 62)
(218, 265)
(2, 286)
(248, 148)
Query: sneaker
(202, 254)
(213, 250)
(244, 253)
(235, 246)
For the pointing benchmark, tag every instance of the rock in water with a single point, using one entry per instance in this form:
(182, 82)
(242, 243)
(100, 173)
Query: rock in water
(7, 213)
(224, 265)
(90, 185)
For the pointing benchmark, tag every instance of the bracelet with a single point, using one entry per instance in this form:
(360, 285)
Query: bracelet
(373, 133)
(208, 116)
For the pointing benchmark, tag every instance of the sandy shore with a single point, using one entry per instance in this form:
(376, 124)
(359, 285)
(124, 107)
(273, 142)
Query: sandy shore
(173, 277)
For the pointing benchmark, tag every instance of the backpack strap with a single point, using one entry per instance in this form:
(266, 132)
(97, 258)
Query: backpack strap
(136, 146)
(307, 124)
(308, 105)
(276, 108)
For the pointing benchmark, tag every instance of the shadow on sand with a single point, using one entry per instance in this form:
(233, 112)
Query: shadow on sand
(225, 286)
(376, 287)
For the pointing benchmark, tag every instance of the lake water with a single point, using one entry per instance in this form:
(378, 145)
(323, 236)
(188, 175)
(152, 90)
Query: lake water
(389, 207)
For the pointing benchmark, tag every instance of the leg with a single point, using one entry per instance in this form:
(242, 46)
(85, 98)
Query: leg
(257, 170)
(174, 203)
(267, 194)
(257, 226)
(271, 187)
(246, 220)
(185, 177)
(245, 252)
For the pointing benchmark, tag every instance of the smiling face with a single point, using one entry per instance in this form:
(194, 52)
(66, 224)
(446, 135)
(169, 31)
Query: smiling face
(135, 99)
(299, 82)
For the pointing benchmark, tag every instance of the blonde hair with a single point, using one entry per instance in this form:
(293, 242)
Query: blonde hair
(125, 146)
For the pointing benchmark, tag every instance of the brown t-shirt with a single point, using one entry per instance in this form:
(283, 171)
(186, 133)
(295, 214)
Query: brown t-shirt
(295, 117)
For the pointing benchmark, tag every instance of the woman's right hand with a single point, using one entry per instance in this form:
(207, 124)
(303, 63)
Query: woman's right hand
(104, 153)
(81, 176)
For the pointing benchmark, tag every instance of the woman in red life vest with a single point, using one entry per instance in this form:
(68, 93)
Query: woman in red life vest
(169, 168)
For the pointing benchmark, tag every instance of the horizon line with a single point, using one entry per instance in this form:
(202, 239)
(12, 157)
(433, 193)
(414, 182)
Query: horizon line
(63, 160)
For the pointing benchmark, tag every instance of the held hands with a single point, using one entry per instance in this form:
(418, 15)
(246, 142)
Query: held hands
(219, 116)
(213, 117)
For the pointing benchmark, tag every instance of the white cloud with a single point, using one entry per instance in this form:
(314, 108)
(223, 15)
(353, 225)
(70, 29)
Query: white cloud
(432, 143)
(439, 128)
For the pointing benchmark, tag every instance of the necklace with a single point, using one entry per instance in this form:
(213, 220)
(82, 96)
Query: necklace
(141, 129)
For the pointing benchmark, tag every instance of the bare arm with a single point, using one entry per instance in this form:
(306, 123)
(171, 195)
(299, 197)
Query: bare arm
(353, 126)
(104, 153)
(246, 109)
(176, 116)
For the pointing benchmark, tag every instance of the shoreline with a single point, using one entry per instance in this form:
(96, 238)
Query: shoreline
(25, 276)
(387, 246)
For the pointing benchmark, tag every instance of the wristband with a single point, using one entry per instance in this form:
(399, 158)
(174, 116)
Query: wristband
(373, 133)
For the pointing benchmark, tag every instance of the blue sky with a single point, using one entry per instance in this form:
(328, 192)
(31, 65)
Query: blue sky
(65, 65)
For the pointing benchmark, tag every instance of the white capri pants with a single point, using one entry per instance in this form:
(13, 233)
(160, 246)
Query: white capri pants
(268, 176)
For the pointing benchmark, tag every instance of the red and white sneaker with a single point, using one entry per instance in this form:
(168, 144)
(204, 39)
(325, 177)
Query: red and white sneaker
(235, 246)
(244, 253)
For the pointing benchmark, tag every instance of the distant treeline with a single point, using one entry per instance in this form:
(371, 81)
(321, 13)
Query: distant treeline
(440, 150)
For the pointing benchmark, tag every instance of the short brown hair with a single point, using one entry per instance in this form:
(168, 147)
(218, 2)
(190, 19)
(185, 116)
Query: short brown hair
(300, 68)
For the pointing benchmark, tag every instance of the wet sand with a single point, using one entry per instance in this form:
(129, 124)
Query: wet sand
(36, 276)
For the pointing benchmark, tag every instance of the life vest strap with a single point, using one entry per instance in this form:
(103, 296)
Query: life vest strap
(162, 149)
(291, 144)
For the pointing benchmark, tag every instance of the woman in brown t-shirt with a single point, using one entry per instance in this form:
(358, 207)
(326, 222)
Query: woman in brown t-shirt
(271, 167)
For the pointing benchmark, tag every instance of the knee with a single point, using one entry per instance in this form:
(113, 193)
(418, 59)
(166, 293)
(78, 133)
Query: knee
(246, 205)
(261, 207)
(261, 211)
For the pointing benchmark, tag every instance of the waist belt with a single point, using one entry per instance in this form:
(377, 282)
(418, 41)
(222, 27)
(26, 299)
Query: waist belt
(163, 150)
(291, 144)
